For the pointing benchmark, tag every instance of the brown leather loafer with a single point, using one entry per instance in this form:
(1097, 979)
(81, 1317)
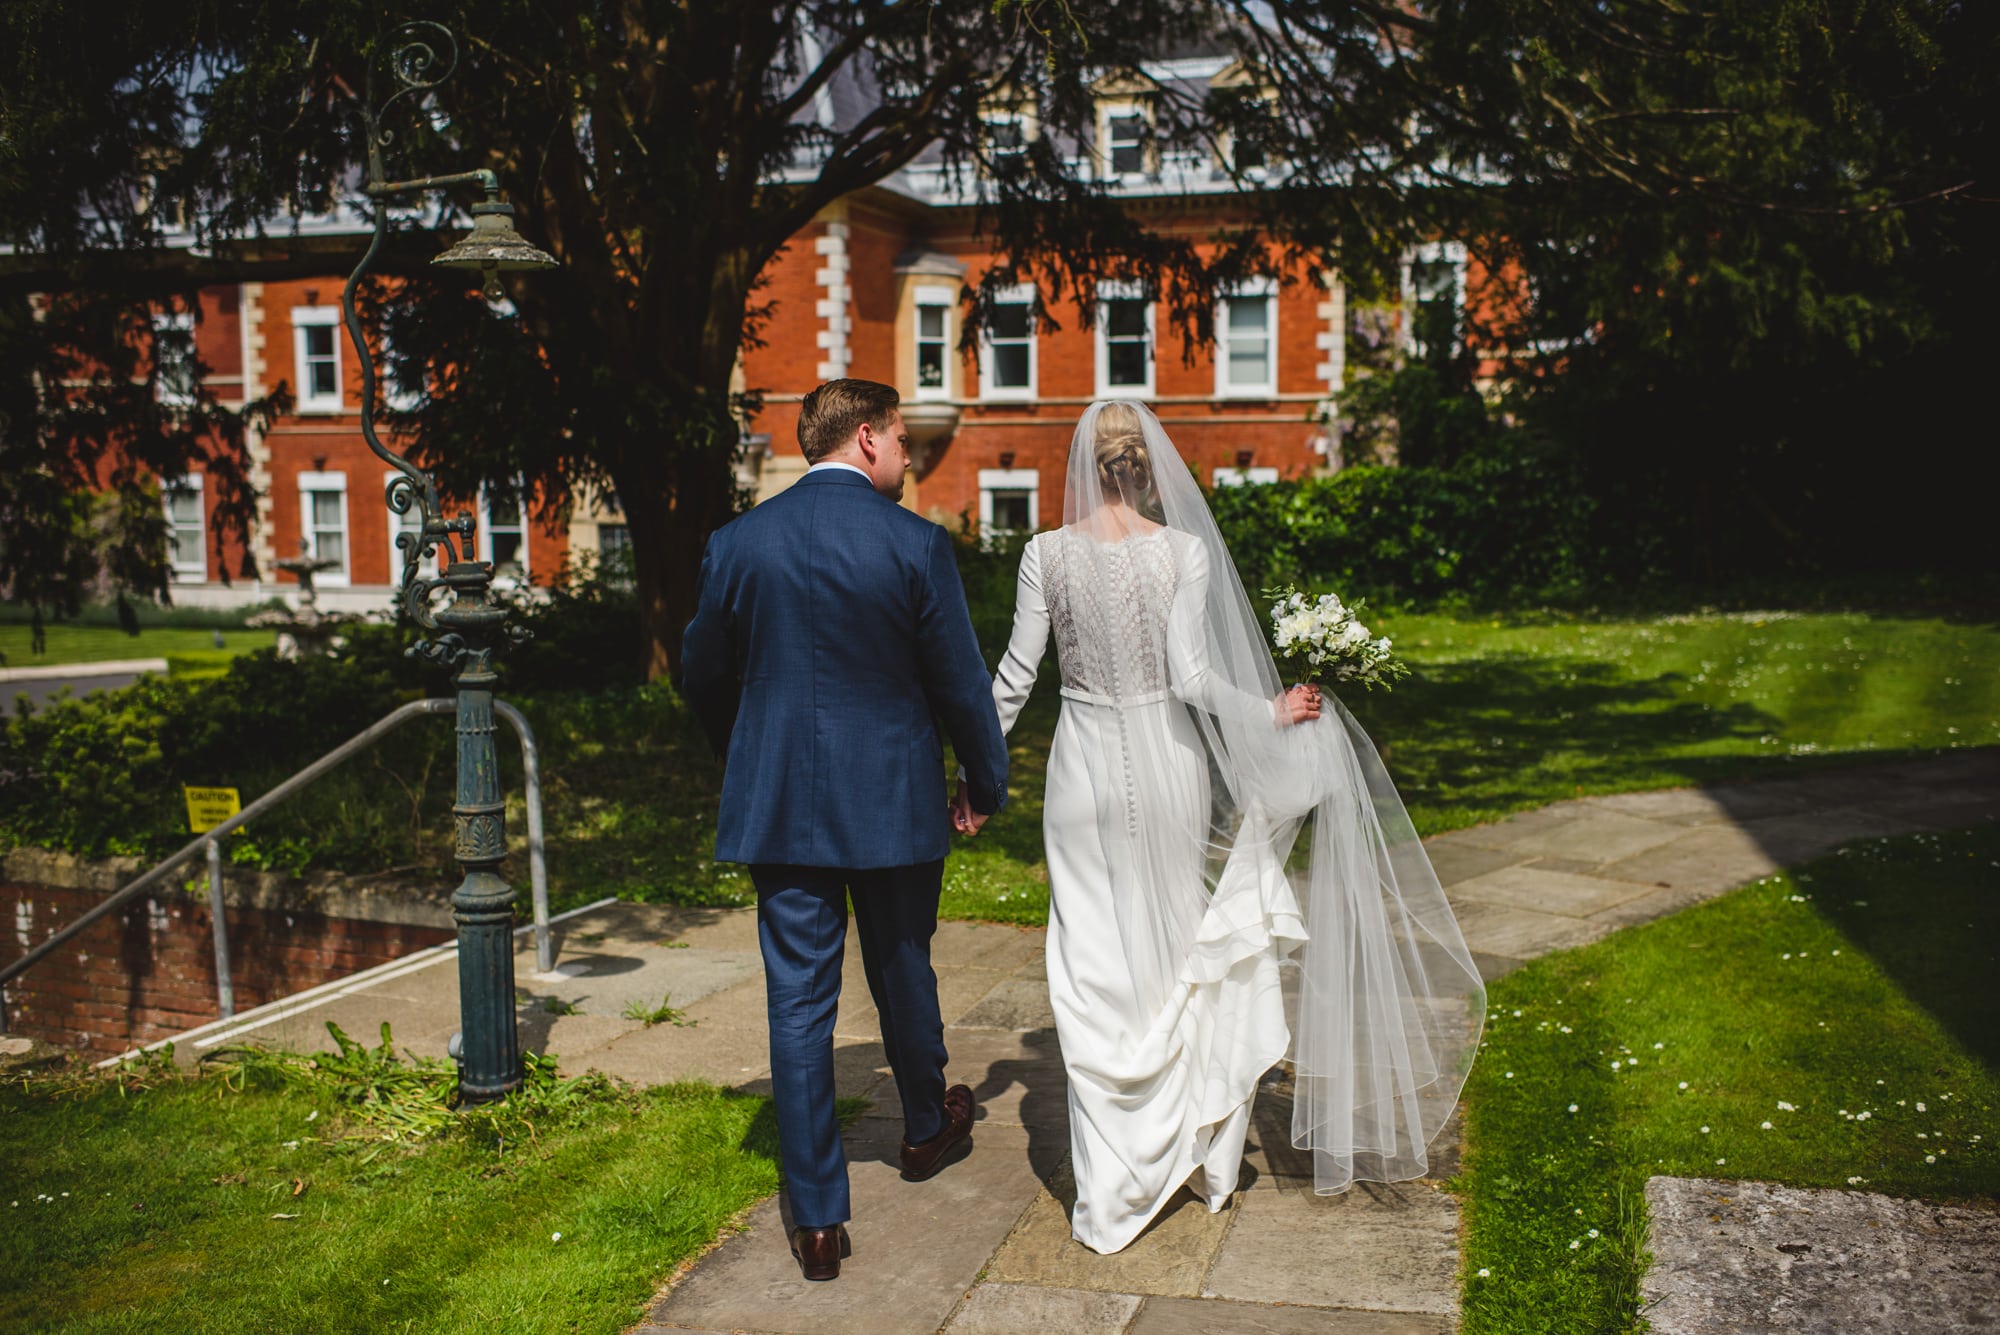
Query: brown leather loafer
(819, 1251)
(922, 1161)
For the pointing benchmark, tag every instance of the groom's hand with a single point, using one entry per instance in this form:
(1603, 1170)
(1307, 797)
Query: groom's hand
(963, 818)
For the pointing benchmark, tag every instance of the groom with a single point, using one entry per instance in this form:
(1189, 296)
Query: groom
(830, 641)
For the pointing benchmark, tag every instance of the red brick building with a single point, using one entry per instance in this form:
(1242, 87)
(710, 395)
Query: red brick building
(316, 480)
(872, 288)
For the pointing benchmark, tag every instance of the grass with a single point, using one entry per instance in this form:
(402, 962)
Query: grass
(1502, 714)
(186, 649)
(263, 1202)
(1856, 989)
(1505, 714)
(664, 1013)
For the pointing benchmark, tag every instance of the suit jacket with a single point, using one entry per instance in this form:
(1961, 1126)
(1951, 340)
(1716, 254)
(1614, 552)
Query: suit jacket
(830, 640)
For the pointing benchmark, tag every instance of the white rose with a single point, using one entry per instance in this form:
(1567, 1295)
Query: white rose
(1356, 633)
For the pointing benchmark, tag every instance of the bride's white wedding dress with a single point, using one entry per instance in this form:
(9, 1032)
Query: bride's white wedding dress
(1160, 1078)
(1196, 851)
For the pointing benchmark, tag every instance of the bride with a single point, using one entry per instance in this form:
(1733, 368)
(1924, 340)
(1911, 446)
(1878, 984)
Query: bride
(1233, 881)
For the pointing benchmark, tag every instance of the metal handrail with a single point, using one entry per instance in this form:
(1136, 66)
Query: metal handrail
(537, 865)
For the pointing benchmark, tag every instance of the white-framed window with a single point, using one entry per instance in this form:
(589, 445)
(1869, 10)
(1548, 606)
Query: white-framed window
(187, 528)
(1124, 342)
(1009, 501)
(323, 525)
(1006, 134)
(1246, 342)
(176, 378)
(410, 522)
(614, 554)
(503, 531)
(1125, 134)
(316, 354)
(1007, 347)
(1238, 477)
(1434, 300)
(934, 307)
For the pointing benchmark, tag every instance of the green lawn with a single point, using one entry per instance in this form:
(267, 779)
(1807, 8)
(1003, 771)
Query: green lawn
(1504, 714)
(1832, 1027)
(185, 649)
(208, 1206)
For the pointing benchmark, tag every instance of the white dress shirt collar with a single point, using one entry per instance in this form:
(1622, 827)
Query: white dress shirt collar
(837, 463)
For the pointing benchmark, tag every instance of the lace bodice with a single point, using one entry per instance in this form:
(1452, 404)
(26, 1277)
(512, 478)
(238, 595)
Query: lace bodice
(1108, 606)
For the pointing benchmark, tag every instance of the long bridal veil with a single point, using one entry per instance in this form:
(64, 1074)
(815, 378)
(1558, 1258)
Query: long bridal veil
(1232, 838)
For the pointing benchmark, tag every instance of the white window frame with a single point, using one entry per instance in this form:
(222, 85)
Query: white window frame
(1106, 294)
(486, 528)
(180, 325)
(1119, 109)
(1255, 289)
(1434, 252)
(182, 565)
(409, 522)
(1013, 119)
(1022, 294)
(330, 481)
(1009, 479)
(316, 317)
(1240, 477)
(933, 298)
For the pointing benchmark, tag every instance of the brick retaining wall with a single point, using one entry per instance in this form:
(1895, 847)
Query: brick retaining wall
(148, 972)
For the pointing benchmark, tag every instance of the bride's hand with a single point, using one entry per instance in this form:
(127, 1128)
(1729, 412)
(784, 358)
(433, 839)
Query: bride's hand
(1298, 705)
(963, 818)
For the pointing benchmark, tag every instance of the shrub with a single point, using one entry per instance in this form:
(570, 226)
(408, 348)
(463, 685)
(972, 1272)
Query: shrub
(1490, 528)
(103, 775)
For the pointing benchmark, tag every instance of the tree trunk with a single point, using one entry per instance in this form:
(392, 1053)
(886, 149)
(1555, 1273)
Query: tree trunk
(666, 552)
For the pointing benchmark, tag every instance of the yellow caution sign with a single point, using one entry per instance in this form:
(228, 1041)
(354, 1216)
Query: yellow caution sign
(209, 807)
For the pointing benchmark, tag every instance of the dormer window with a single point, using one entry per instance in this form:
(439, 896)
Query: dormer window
(1244, 98)
(1125, 142)
(1006, 140)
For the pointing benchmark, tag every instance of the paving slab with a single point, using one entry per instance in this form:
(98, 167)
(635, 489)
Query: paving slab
(1494, 929)
(1543, 890)
(1656, 903)
(1752, 1257)
(1019, 1004)
(1594, 836)
(1806, 834)
(1184, 1316)
(1014, 1309)
(959, 990)
(984, 945)
(1171, 1257)
(1710, 857)
(1674, 806)
(1377, 1247)
(606, 982)
(916, 1247)
(1461, 862)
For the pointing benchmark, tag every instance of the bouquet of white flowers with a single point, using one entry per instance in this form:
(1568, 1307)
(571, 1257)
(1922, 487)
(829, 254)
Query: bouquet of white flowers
(1325, 641)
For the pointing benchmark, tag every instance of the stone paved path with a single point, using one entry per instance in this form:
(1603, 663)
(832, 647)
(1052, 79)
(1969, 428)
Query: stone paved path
(1752, 1257)
(985, 1246)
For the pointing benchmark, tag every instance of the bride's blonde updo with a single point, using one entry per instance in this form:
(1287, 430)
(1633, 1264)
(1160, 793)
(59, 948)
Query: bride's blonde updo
(1124, 465)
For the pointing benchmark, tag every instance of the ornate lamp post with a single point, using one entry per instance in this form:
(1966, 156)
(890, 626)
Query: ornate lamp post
(465, 625)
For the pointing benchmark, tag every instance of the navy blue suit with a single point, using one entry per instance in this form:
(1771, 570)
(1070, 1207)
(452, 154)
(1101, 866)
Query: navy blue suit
(830, 642)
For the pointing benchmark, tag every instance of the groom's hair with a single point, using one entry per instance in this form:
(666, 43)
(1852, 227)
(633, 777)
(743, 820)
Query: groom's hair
(832, 414)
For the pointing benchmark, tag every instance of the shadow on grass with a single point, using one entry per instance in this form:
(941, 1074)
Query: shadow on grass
(1502, 733)
(1939, 937)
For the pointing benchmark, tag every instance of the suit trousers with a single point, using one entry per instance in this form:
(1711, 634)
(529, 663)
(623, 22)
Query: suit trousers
(802, 928)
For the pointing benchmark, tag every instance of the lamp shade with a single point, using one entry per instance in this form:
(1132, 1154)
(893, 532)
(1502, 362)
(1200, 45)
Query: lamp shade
(493, 244)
